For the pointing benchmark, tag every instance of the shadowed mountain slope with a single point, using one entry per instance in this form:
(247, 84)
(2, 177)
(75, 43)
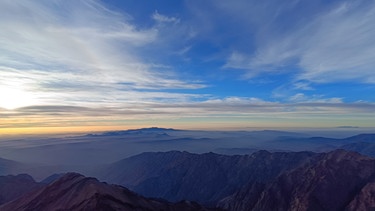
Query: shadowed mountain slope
(205, 178)
(339, 180)
(12, 187)
(76, 192)
(8, 166)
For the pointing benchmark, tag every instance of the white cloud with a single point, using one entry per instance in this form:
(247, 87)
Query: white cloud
(76, 50)
(302, 98)
(342, 46)
(334, 45)
(164, 19)
(207, 108)
(300, 111)
(302, 86)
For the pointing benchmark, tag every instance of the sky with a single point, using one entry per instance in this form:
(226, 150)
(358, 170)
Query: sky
(82, 65)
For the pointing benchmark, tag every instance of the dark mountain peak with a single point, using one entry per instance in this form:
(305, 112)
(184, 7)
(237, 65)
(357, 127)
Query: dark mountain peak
(142, 131)
(172, 153)
(261, 153)
(23, 177)
(266, 155)
(72, 176)
(205, 178)
(155, 129)
(52, 178)
(338, 180)
(12, 186)
(76, 192)
(211, 154)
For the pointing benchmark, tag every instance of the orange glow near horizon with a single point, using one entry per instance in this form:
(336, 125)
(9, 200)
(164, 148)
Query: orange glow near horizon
(59, 130)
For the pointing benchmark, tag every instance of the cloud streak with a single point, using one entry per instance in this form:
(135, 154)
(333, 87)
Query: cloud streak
(164, 19)
(336, 44)
(214, 107)
(51, 49)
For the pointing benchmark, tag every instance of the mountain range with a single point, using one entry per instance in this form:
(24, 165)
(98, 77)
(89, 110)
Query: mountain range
(109, 147)
(74, 192)
(205, 178)
(12, 187)
(337, 180)
(328, 177)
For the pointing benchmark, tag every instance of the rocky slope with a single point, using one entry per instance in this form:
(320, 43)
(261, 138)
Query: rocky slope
(12, 187)
(339, 180)
(205, 178)
(76, 192)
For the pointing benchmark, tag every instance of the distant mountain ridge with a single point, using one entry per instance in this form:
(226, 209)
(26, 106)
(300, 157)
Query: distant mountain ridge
(337, 180)
(7, 166)
(108, 147)
(321, 144)
(151, 130)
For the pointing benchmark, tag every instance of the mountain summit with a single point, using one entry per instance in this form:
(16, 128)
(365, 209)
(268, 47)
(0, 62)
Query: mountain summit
(339, 180)
(75, 192)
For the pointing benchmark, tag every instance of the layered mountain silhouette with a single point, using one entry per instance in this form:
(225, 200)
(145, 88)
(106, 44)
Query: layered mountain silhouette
(7, 166)
(75, 192)
(109, 147)
(205, 178)
(12, 187)
(339, 180)
(262, 181)
(141, 131)
(322, 144)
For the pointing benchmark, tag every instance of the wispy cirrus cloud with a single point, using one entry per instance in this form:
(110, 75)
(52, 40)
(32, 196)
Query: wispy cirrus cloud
(206, 112)
(164, 19)
(300, 97)
(230, 105)
(335, 44)
(62, 50)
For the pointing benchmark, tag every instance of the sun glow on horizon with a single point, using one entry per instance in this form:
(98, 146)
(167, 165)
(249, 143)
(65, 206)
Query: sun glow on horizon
(12, 97)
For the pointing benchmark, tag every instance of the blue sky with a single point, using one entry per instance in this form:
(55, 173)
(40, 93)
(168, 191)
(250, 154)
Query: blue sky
(190, 64)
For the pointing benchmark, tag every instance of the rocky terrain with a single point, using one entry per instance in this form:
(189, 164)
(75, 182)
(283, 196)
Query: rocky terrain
(75, 192)
(205, 178)
(339, 180)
